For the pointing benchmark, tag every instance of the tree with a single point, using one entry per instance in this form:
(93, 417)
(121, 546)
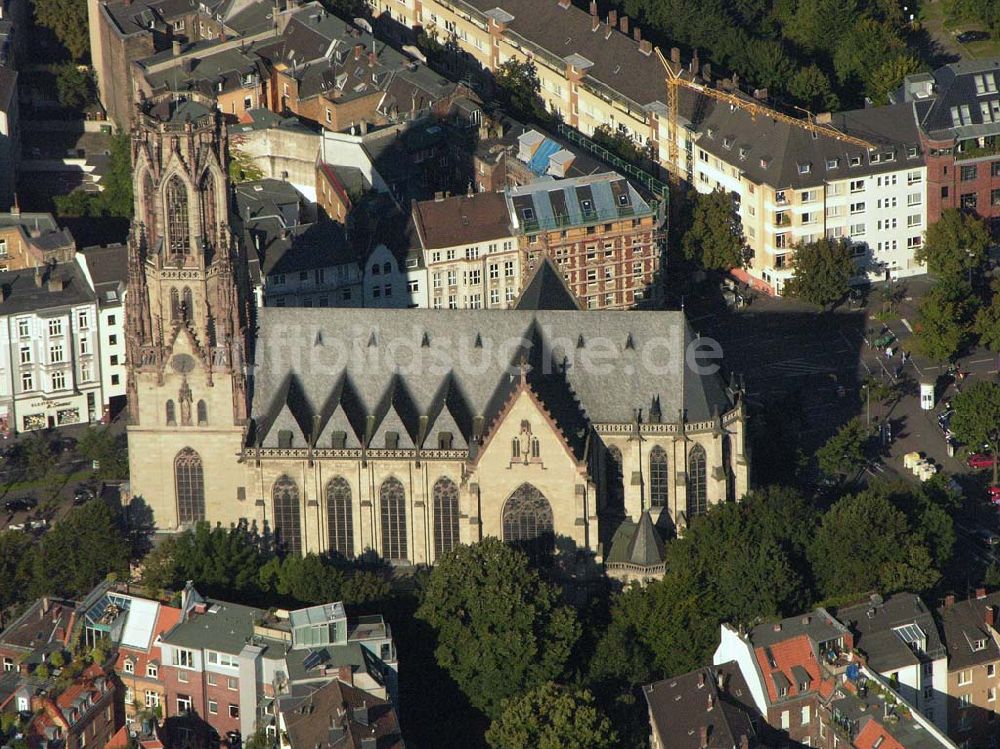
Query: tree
(822, 271)
(976, 420)
(811, 86)
(38, 456)
(68, 21)
(79, 551)
(865, 543)
(242, 168)
(304, 579)
(75, 87)
(108, 449)
(954, 245)
(888, 76)
(944, 322)
(620, 144)
(116, 197)
(519, 82)
(497, 645)
(551, 717)
(17, 559)
(715, 239)
(987, 325)
(844, 453)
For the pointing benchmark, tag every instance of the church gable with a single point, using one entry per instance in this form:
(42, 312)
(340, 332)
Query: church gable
(289, 422)
(342, 419)
(391, 425)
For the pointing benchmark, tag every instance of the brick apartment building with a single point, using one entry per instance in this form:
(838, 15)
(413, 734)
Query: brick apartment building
(957, 108)
(600, 232)
(971, 634)
(86, 714)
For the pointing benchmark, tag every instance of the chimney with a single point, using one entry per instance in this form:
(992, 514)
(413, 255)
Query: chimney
(175, 47)
(646, 47)
(363, 127)
(711, 703)
(623, 25)
(990, 616)
(675, 55)
(980, 593)
(806, 620)
(593, 7)
(720, 679)
(777, 626)
(824, 118)
(371, 59)
(637, 33)
(612, 17)
(695, 65)
(595, 23)
(744, 741)
(38, 283)
(564, 4)
(358, 49)
(15, 210)
(703, 737)
(949, 601)
(706, 72)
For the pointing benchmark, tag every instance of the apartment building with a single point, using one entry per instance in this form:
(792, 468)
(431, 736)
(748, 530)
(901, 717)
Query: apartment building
(973, 641)
(792, 186)
(336, 716)
(593, 71)
(228, 663)
(600, 232)
(709, 708)
(86, 714)
(469, 249)
(813, 688)
(899, 638)
(28, 240)
(107, 269)
(134, 624)
(957, 108)
(50, 364)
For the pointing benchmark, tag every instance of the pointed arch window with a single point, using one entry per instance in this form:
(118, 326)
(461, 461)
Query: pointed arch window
(285, 498)
(188, 305)
(189, 482)
(175, 305)
(208, 204)
(535, 448)
(527, 522)
(202, 413)
(339, 517)
(392, 501)
(515, 448)
(659, 477)
(178, 223)
(616, 484)
(148, 209)
(697, 488)
(445, 516)
(171, 414)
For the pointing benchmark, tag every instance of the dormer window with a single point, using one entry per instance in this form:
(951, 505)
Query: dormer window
(528, 214)
(805, 168)
(744, 152)
(727, 143)
(129, 666)
(444, 440)
(978, 645)
(284, 438)
(338, 440)
(875, 158)
(711, 132)
(832, 163)
(391, 440)
(764, 163)
(855, 161)
(911, 152)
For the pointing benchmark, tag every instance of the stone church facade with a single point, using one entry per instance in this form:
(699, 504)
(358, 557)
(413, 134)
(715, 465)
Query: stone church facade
(400, 432)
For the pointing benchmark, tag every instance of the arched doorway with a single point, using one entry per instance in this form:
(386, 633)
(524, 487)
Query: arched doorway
(527, 522)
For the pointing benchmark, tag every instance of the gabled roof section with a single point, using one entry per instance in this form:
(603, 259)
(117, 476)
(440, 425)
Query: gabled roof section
(342, 414)
(449, 413)
(291, 411)
(547, 289)
(396, 414)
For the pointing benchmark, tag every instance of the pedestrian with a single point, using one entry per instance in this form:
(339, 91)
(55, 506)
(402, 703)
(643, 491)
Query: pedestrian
(888, 352)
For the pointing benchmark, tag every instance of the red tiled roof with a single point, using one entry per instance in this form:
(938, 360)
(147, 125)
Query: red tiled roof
(795, 651)
(119, 740)
(166, 619)
(871, 733)
(84, 683)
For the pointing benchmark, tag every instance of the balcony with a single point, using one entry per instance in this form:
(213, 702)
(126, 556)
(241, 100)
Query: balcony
(972, 149)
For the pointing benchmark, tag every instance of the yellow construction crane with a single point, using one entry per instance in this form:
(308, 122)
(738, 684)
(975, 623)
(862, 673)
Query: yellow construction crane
(675, 81)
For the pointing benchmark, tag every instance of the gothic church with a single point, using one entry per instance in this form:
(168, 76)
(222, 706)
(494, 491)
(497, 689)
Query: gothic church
(402, 432)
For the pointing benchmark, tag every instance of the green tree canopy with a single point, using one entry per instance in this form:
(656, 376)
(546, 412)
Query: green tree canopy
(17, 560)
(865, 543)
(945, 318)
(68, 21)
(715, 239)
(499, 644)
(822, 271)
(811, 86)
(954, 244)
(74, 87)
(80, 550)
(976, 421)
(845, 452)
(519, 82)
(888, 76)
(108, 449)
(551, 717)
(987, 324)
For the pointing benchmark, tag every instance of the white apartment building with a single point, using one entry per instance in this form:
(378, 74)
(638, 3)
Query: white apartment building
(469, 250)
(793, 186)
(105, 268)
(50, 364)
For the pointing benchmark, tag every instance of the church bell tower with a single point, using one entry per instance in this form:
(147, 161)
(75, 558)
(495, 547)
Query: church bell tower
(186, 318)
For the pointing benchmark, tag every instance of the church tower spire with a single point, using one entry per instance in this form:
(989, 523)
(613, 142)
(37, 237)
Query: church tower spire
(187, 305)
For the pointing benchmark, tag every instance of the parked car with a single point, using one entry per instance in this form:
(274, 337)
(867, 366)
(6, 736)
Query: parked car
(980, 460)
(973, 36)
(83, 494)
(994, 494)
(19, 504)
(987, 538)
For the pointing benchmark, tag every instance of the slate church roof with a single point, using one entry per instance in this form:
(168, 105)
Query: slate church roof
(547, 289)
(337, 377)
